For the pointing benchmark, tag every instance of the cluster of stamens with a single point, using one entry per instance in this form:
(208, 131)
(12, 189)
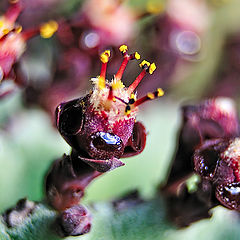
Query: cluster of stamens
(124, 99)
(8, 26)
(13, 39)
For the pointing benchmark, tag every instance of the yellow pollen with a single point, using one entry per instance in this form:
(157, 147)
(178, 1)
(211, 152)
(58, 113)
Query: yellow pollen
(150, 96)
(1, 24)
(114, 99)
(101, 83)
(144, 62)
(137, 56)
(152, 68)
(123, 48)
(48, 29)
(18, 29)
(160, 92)
(104, 57)
(5, 31)
(117, 84)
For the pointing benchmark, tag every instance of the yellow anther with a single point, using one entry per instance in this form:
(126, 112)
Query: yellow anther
(137, 56)
(152, 68)
(155, 7)
(127, 112)
(117, 84)
(104, 57)
(48, 29)
(128, 109)
(123, 48)
(1, 24)
(114, 99)
(160, 92)
(18, 29)
(150, 96)
(132, 96)
(144, 62)
(132, 99)
(5, 31)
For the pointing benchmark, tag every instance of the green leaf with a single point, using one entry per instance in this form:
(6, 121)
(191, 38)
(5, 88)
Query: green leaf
(144, 221)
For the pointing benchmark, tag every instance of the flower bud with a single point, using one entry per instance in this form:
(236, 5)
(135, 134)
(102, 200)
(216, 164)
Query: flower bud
(74, 221)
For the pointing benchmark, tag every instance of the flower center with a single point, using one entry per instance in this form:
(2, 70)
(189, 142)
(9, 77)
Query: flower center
(112, 97)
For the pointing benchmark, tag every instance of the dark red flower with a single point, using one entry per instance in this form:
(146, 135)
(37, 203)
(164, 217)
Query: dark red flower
(217, 161)
(102, 126)
(208, 146)
(213, 118)
(13, 40)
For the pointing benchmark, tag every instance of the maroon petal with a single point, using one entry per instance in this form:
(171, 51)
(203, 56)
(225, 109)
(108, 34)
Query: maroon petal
(69, 117)
(136, 142)
(229, 195)
(6, 63)
(103, 165)
(207, 156)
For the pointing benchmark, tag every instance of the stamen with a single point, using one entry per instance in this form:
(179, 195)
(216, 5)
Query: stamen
(144, 64)
(152, 68)
(137, 55)
(104, 57)
(48, 29)
(123, 49)
(5, 31)
(132, 99)
(13, 12)
(149, 96)
(128, 110)
(110, 94)
(18, 29)
(121, 100)
(147, 67)
(27, 34)
(110, 99)
(120, 71)
(130, 104)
